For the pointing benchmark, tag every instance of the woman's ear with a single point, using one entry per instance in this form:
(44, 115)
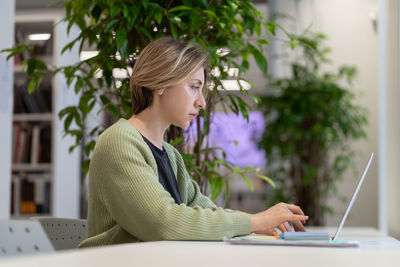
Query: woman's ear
(160, 91)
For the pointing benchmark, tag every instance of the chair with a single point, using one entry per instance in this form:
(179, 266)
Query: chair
(63, 233)
(19, 237)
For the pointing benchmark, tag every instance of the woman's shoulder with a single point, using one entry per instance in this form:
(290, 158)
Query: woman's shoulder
(119, 129)
(120, 135)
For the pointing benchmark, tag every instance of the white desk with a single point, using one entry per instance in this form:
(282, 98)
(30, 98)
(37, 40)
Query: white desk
(376, 250)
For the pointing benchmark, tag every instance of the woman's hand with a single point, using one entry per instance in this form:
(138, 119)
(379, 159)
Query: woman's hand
(278, 216)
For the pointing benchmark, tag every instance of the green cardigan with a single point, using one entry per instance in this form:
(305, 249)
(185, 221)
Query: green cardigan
(128, 204)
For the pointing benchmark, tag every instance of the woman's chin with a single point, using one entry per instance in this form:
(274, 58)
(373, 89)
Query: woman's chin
(182, 125)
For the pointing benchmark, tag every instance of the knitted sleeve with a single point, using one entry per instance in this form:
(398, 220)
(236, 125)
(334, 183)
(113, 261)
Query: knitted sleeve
(139, 203)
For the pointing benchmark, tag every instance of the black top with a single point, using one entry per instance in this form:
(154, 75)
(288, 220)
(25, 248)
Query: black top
(166, 175)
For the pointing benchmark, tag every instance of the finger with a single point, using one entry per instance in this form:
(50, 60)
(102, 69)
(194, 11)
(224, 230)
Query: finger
(287, 226)
(295, 209)
(298, 226)
(294, 217)
(282, 228)
(270, 232)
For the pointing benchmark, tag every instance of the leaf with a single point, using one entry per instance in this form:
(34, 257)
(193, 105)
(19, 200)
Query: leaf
(271, 27)
(68, 121)
(78, 84)
(120, 38)
(248, 181)
(89, 147)
(227, 193)
(104, 100)
(72, 148)
(158, 17)
(68, 46)
(122, 43)
(124, 50)
(260, 59)
(144, 3)
(173, 30)
(115, 10)
(293, 43)
(216, 185)
(96, 12)
(145, 32)
(34, 84)
(210, 13)
(179, 8)
(177, 141)
(31, 66)
(263, 42)
(111, 24)
(85, 167)
(267, 179)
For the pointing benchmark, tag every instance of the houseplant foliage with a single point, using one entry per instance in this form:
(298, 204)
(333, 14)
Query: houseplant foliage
(310, 117)
(230, 30)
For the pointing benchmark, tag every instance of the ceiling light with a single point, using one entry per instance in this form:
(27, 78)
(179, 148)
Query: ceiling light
(39, 36)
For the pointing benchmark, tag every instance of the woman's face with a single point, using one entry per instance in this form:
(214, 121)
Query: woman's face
(183, 101)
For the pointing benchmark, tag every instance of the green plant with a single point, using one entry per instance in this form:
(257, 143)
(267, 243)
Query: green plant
(230, 30)
(310, 117)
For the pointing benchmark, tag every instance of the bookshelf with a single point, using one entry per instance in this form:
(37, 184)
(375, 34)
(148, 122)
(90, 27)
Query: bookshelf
(45, 177)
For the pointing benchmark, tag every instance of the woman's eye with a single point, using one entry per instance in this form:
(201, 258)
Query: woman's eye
(195, 87)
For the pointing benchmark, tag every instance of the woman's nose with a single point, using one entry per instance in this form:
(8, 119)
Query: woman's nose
(200, 102)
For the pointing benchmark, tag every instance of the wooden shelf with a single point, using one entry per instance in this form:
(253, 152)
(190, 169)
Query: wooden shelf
(32, 167)
(33, 117)
(27, 215)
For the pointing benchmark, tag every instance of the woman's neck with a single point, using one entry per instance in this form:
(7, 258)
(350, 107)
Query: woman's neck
(150, 124)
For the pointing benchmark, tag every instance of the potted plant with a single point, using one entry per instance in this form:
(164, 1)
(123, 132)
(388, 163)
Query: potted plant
(229, 30)
(310, 118)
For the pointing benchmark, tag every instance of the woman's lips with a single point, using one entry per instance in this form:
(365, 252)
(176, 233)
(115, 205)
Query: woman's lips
(193, 115)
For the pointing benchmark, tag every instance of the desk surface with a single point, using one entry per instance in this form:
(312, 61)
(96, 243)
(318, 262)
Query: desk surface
(376, 250)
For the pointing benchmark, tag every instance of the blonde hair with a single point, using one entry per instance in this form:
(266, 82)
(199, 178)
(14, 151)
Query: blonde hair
(163, 63)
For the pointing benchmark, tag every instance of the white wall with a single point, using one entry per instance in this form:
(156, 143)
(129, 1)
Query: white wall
(353, 40)
(6, 104)
(390, 40)
(67, 166)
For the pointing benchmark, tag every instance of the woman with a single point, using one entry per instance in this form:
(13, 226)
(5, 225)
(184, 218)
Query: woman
(139, 189)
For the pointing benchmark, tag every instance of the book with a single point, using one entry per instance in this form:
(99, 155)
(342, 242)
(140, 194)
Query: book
(47, 197)
(26, 152)
(35, 145)
(28, 100)
(45, 145)
(20, 148)
(27, 204)
(17, 138)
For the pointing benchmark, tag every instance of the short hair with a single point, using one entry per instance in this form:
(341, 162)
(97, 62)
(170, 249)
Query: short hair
(163, 63)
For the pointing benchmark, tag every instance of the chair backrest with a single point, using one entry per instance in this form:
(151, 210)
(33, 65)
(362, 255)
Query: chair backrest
(63, 233)
(19, 237)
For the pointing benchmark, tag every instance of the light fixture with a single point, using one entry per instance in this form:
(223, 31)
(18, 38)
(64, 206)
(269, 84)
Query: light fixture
(234, 85)
(119, 73)
(231, 85)
(232, 72)
(88, 54)
(222, 51)
(39, 36)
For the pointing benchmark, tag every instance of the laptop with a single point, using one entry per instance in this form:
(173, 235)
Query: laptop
(319, 239)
